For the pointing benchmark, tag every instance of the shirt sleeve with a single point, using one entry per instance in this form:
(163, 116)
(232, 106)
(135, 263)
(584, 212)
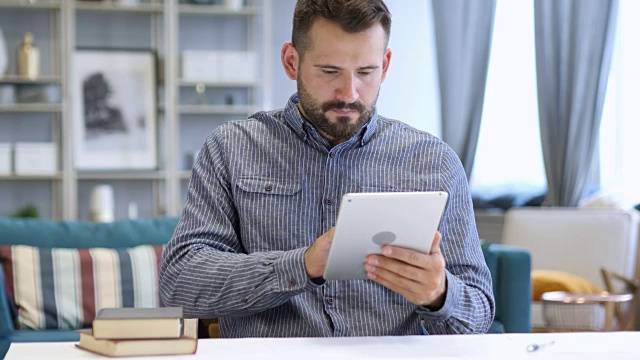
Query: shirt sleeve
(469, 305)
(204, 268)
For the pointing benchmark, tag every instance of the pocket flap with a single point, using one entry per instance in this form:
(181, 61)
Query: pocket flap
(269, 186)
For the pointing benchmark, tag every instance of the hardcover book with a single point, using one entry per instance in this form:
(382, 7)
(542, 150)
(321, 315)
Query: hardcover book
(139, 347)
(138, 323)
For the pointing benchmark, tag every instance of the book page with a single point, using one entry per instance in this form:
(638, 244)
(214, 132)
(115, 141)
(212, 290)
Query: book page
(190, 328)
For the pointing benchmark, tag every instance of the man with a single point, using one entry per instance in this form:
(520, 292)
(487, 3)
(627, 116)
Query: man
(253, 240)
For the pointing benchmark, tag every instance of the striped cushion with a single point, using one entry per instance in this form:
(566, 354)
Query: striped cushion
(62, 288)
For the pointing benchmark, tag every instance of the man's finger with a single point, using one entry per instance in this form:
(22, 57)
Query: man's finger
(407, 256)
(435, 245)
(400, 285)
(412, 257)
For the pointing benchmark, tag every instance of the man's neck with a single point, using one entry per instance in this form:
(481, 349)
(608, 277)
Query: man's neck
(333, 142)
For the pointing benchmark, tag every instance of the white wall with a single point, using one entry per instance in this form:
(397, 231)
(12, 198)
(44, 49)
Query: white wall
(282, 23)
(410, 91)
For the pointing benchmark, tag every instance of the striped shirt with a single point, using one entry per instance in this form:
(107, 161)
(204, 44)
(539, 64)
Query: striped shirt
(263, 189)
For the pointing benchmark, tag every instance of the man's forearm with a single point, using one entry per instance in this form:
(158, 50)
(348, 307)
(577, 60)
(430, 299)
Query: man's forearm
(212, 283)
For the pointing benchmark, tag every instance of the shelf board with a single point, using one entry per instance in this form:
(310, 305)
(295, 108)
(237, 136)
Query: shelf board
(56, 176)
(184, 174)
(116, 7)
(121, 175)
(187, 9)
(30, 4)
(217, 84)
(16, 79)
(214, 109)
(30, 108)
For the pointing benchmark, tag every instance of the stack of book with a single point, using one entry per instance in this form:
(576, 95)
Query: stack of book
(140, 331)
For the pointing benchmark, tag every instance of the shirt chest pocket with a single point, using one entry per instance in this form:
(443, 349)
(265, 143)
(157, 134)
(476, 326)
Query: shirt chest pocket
(270, 187)
(270, 213)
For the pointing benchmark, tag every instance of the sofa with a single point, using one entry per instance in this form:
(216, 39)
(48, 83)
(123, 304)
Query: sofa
(576, 241)
(510, 268)
(129, 243)
(74, 260)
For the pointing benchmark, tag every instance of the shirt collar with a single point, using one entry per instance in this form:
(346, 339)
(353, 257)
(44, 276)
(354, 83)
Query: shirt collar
(301, 126)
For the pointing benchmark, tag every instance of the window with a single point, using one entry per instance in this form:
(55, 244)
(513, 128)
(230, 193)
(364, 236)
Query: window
(509, 153)
(620, 127)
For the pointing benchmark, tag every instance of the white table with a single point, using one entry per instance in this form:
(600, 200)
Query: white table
(609, 346)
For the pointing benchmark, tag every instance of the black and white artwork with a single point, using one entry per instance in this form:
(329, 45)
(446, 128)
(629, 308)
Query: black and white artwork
(114, 110)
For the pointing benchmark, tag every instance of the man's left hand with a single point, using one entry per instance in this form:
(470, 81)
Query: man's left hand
(419, 277)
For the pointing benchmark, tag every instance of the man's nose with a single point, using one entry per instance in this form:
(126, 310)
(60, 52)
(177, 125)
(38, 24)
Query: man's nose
(348, 91)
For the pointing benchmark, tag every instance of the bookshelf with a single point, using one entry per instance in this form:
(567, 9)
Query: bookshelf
(167, 28)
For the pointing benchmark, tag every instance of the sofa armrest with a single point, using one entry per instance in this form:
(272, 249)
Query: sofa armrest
(510, 268)
(6, 322)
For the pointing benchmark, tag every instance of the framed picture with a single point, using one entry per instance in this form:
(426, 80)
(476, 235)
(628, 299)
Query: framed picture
(114, 109)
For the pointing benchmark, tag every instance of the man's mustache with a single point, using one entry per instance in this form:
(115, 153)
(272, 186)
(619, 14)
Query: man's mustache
(341, 105)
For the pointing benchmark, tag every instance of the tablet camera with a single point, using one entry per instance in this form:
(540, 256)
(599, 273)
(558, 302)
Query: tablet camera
(383, 238)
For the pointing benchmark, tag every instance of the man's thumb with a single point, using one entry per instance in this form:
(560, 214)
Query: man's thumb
(435, 245)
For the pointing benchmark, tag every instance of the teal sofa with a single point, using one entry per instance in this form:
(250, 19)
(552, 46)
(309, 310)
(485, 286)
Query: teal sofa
(510, 267)
(71, 235)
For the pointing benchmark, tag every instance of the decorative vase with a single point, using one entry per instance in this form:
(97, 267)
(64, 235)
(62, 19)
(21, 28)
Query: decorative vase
(28, 58)
(4, 60)
(101, 208)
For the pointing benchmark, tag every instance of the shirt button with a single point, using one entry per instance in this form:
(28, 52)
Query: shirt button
(292, 282)
(328, 201)
(330, 301)
(332, 155)
(268, 188)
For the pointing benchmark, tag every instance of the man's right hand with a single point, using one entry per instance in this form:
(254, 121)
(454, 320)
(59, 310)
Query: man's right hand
(315, 258)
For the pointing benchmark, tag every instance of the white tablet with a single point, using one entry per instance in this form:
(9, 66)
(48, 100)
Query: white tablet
(367, 221)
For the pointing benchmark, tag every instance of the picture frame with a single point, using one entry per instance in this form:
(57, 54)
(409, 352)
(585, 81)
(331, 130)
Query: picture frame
(114, 111)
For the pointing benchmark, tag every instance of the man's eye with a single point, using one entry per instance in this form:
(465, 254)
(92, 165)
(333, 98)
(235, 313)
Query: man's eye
(329, 71)
(365, 72)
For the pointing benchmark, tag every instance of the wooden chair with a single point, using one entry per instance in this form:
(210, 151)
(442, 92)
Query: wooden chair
(624, 313)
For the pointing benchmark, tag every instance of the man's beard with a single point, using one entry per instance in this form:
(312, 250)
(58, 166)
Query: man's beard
(342, 129)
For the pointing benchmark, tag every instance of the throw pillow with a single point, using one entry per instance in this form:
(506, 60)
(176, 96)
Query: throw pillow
(543, 281)
(59, 288)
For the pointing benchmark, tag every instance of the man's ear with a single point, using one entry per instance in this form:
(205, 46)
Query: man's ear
(385, 63)
(290, 60)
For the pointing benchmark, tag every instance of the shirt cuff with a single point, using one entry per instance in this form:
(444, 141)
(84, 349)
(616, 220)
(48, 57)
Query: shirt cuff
(291, 273)
(451, 302)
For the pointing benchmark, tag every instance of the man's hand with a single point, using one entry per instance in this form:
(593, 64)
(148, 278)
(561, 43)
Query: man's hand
(315, 258)
(419, 277)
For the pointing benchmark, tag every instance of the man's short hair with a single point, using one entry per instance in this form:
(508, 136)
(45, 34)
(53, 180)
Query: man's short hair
(353, 16)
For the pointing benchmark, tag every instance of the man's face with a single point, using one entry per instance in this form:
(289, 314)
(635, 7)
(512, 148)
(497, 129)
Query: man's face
(339, 78)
